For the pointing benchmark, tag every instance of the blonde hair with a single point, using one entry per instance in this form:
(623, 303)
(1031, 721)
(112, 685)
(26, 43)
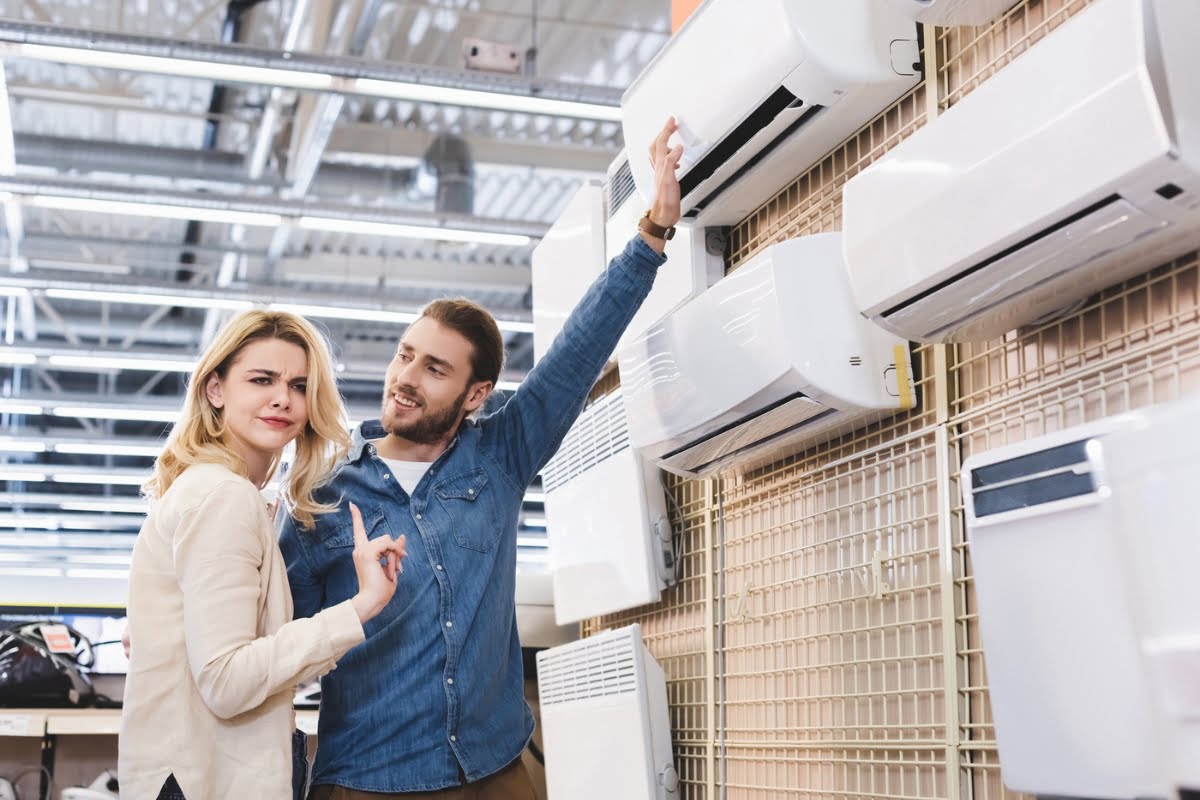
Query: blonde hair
(198, 436)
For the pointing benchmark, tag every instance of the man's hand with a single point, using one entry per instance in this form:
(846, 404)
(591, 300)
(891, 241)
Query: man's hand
(664, 210)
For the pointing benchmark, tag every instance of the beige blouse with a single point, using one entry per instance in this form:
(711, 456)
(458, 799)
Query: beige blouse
(216, 655)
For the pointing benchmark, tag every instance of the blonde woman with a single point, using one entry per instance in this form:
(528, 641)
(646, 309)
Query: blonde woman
(215, 653)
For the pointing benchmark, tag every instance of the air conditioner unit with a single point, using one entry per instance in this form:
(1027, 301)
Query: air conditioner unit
(1069, 695)
(605, 723)
(1070, 169)
(953, 12)
(536, 625)
(606, 517)
(695, 255)
(761, 91)
(566, 262)
(1152, 468)
(773, 355)
(594, 227)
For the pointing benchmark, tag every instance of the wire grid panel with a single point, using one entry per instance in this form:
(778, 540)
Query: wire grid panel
(980, 766)
(831, 601)
(764, 773)
(967, 56)
(813, 202)
(676, 631)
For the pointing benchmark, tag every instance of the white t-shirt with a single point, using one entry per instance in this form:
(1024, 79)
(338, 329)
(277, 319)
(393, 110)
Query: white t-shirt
(407, 473)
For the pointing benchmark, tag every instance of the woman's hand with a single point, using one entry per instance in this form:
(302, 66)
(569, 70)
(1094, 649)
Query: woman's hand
(377, 562)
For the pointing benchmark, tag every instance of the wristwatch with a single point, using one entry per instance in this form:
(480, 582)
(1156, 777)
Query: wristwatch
(654, 229)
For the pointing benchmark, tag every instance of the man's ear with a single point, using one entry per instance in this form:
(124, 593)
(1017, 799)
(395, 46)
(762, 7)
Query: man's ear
(476, 396)
(212, 388)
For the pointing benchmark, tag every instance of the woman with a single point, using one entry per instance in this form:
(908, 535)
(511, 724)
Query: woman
(215, 654)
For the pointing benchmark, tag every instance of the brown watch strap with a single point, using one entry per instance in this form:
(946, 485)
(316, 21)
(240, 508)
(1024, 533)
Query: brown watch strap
(654, 229)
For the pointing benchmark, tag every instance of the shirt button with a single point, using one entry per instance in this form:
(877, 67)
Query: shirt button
(453, 738)
(450, 681)
(418, 516)
(438, 567)
(386, 476)
(470, 491)
(449, 624)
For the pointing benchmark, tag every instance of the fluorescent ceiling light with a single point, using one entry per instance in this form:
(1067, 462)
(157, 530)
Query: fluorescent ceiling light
(99, 558)
(17, 359)
(410, 231)
(100, 477)
(160, 210)
(314, 81)
(108, 449)
(114, 574)
(30, 572)
(124, 362)
(187, 68)
(473, 98)
(149, 299)
(534, 522)
(16, 407)
(117, 506)
(334, 312)
(18, 475)
(8, 445)
(133, 414)
(13, 291)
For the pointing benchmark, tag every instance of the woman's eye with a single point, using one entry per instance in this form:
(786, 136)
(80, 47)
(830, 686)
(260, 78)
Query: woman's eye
(261, 380)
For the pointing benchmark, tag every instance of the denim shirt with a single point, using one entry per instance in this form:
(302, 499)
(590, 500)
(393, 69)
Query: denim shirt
(438, 683)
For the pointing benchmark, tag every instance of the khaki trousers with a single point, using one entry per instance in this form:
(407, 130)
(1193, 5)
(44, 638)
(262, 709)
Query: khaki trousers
(510, 783)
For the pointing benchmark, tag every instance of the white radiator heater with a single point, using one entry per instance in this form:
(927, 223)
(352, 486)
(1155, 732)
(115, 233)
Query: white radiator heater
(605, 723)
(606, 519)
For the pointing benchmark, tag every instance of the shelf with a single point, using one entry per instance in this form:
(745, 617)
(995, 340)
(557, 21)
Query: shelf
(22, 722)
(90, 721)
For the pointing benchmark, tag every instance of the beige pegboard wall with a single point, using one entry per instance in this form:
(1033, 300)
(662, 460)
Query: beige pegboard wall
(824, 643)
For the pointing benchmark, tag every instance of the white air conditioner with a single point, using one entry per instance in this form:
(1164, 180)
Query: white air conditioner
(762, 91)
(566, 262)
(536, 625)
(695, 255)
(1152, 469)
(1070, 169)
(605, 724)
(1069, 695)
(594, 227)
(771, 356)
(606, 517)
(953, 12)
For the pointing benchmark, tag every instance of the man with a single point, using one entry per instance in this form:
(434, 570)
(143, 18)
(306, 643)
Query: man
(432, 703)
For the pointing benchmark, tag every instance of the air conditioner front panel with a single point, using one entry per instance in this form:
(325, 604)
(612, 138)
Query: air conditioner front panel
(1052, 592)
(1019, 132)
(953, 12)
(601, 536)
(566, 262)
(732, 103)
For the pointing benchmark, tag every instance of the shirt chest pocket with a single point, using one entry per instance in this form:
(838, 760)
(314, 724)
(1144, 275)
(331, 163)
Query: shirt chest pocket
(467, 500)
(339, 532)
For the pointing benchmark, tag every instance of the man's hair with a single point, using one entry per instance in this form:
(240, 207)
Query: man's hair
(476, 324)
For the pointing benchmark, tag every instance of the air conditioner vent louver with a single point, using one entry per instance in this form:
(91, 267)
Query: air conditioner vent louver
(620, 186)
(589, 668)
(600, 433)
(1033, 479)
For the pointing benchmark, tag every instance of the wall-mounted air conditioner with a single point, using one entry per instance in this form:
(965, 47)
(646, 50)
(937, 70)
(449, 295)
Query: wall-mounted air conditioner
(1069, 695)
(596, 225)
(606, 517)
(762, 91)
(953, 12)
(536, 624)
(1152, 469)
(565, 262)
(1073, 167)
(771, 356)
(605, 723)
(695, 255)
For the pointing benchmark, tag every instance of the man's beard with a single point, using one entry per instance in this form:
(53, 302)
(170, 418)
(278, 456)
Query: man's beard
(431, 428)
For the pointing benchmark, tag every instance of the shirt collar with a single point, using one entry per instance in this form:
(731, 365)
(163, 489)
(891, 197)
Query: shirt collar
(373, 429)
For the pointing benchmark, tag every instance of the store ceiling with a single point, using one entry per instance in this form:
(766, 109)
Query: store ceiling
(165, 182)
